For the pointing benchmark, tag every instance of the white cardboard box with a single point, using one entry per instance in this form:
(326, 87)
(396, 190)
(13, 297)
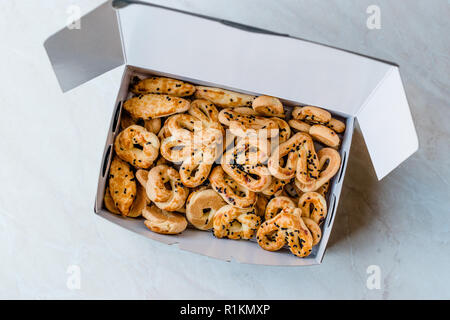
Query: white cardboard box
(148, 39)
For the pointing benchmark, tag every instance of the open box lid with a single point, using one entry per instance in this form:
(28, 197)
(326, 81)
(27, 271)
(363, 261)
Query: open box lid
(243, 58)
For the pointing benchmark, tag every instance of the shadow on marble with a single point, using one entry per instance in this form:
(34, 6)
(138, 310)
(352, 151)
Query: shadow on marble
(355, 211)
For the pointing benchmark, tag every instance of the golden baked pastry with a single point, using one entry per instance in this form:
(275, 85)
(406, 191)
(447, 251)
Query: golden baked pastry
(260, 205)
(150, 106)
(298, 150)
(336, 125)
(283, 129)
(137, 146)
(109, 202)
(314, 206)
(276, 205)
(152, 125)
(195, 168)
(182, 126)
(171, 199)
(312, 115)
(163, 85)
(285, 228)
(235, 223)
(245, 111)
(224, 98)
(323, 189)
(176, 150)
(268, 106)
(325, 135)
(275, 187)
(244, 126)
(329, 164)
(140, 202)
(314, 228)
(253, 176)
(230, 190)
(264, 172)
(161, 221)
(122, 185)
(299, 125)
(201, 208)
(206, 112)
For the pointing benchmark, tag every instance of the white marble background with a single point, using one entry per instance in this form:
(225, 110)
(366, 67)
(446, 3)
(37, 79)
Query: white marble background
(51, 146)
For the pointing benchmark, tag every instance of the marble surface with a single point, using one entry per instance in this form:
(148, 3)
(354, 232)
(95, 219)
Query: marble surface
(52, 144)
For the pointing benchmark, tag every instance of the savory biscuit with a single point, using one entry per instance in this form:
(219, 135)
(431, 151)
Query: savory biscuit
(122, 185)
(235, 223)
(325, 135)
(163, 85)
(268, 106)
(224, 98)
(201, 208)
(285, 228)
(150, 106)
(314, 206)
(230, 190)
(137, 146)
(161, 221)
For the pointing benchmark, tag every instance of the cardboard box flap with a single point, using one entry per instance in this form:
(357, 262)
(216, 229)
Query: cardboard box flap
(387, 126)
(208, 50)
(79, 55)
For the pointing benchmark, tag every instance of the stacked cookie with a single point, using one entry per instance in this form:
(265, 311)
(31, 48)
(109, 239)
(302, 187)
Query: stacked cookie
(223, 161)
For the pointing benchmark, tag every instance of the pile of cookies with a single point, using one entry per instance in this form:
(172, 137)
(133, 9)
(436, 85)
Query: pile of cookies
(224, 161)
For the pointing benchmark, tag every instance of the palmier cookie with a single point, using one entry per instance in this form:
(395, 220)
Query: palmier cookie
(204, 111)
(164, 222)
(308, 167)
(163, 86)
(299, 148)
(314, 206)
(311, 114)
(171, 199)
(230, 190)
(329, 164)
(152, 106)
(325, 135)
(224, 98)
(122, 185)
(137, 146)
(201, 207)
(253, 176)
(285, 228)
(235, 223)
(182, 126)
(276, 205)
